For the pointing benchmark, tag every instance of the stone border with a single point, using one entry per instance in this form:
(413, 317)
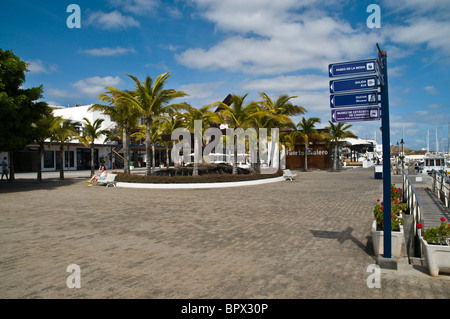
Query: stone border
(199, 185)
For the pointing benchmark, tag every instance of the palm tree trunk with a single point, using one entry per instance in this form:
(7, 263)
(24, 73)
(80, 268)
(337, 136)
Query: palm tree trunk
(68, 158)
(196, 146)
(147, 147)
(61, 162)
(39, 168)
(126, 157)
(153, 158)
(335, 157)
(167, 156)
(12, 177)
(235, 156)
(92, 160)
(306, 154)
(176, 163)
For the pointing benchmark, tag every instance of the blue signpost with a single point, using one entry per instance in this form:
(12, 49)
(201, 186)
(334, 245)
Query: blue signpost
(361, 94)
(355, 114)
(385, 132)
(355, 84)
(352, 68)
(354, 99)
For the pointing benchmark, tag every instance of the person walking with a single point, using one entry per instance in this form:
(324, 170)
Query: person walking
(4, 168)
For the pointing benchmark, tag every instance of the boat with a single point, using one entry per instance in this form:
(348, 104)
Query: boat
(434, 161)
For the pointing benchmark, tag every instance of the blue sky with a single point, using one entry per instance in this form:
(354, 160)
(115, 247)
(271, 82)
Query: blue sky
(213, 48)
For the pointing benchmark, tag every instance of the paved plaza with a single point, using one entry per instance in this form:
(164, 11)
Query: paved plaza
(309, 238)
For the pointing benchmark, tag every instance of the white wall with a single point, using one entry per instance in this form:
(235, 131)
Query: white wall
(77, 113)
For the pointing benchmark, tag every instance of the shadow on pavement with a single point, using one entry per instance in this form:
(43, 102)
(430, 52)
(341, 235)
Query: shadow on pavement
(23, 185)
(343, 236)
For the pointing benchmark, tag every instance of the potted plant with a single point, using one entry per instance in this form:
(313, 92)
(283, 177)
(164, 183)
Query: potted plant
(397, 222)
(436, 247)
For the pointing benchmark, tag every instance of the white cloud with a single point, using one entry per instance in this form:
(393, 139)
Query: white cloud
(431, 90)
(287, 83)
(200, 90)
(38, 66)
(271, 37)
(434, 34)
(111, 20)
(137, 7)
(108, 51)
(94, 86)
(57, 93)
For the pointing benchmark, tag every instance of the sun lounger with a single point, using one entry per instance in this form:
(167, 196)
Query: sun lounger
(287, 174)
(109, 180)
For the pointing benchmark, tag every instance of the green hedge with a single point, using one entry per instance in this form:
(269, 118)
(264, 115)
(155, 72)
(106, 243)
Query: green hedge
(213, 178)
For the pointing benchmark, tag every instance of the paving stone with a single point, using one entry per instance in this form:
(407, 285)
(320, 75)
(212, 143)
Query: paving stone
(309, 238)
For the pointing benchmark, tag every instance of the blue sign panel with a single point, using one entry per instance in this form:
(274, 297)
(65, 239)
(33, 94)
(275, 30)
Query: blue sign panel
(354, 99)
(355, 114)
(352, 68)
(354, 84)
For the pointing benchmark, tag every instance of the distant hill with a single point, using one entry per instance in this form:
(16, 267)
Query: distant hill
(395, 149)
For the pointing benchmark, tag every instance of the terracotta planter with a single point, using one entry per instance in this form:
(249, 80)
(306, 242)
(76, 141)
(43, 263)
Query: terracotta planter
(397, 240)
(437, 257)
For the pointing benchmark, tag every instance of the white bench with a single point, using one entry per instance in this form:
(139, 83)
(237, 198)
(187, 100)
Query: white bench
(109, 180)
(287, 174)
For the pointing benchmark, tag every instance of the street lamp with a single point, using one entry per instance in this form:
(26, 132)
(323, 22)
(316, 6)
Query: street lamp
(403, 170)
(403, 153)
(398, 157)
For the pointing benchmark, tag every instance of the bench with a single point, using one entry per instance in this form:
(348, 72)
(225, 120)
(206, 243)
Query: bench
(287, 174)
(109, 180)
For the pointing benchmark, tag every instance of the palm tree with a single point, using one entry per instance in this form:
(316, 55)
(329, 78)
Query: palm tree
(91, 132)
(307, 127)
(278, 113)
(45, 127)
(123, 114)
(63, 134)
(288, 140)
(155, 137)
(336, 134)
(237, 115)
(206, 117)
(170, 124)
(151, 100)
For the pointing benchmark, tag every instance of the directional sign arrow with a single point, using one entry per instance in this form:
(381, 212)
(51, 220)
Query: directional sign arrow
(352, 68)
(355, 114)
(354, 99)
(353, 84)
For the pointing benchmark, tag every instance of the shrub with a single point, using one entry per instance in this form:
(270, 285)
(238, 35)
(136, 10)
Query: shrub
(180, 179)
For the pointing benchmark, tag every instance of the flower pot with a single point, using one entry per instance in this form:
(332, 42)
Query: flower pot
(397, 240)
(437, 257)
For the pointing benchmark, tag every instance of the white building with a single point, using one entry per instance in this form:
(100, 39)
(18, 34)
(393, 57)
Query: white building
(77, 156)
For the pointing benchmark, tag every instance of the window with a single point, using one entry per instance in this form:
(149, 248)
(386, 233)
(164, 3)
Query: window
(49, 159)
(66, 158)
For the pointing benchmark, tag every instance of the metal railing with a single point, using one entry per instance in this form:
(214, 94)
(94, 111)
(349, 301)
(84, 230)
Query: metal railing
(415, 209)
(440, 186)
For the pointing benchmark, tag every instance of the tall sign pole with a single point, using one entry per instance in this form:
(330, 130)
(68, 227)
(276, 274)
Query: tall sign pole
(385, 132)
(355, 98)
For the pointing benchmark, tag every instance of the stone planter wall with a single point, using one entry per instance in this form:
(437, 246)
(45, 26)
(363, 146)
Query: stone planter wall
(397, 240)
(437, 257)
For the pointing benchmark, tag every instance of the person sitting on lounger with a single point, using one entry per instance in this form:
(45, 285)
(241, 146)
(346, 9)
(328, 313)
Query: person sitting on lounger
(101, 177)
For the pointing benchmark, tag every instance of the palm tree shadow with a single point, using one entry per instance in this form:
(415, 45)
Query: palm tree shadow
(345, 235)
